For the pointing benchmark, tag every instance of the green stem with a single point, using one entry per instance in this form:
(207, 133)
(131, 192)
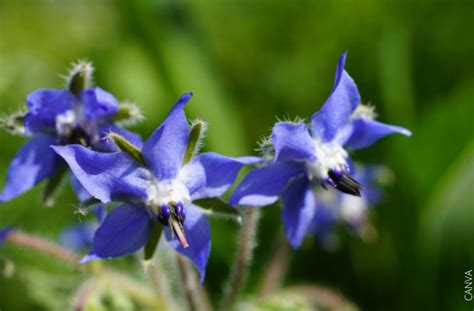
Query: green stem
(162, 289)
(43, 246)
(134, 289)
(276, 268)
(243, 259)
(83, 294)
(194, 293)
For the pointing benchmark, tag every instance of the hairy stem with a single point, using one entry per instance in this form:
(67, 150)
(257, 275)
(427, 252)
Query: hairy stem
(134, 289)
(276, 269)
(43, 246)
(247, 241)
(162, 289)
(194, 293)
(83, 294)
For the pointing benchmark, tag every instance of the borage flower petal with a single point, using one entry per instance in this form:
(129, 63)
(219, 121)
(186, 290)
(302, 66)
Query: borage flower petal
(299, 209)
(164, 149)
(292, 142)
(44, 106)
(319, 157)
(78, 115)
(106, 176)
(198, 233)
(159, 187)
(339, 106)
(210, 174)
(366, 132)
(124, 230)
(263, 186)
(98, 103)
(33, 163)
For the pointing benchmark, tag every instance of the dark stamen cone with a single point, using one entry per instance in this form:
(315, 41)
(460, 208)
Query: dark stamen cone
(345, 183)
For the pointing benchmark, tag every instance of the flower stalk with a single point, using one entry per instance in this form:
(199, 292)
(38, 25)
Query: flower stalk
(243, 259)
(134, 289)
(276, 268)
(43, 246)
(195, 295)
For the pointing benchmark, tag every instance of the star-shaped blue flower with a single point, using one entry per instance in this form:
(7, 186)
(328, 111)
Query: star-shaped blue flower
(162, 189)
(61, 117)
(304, 158)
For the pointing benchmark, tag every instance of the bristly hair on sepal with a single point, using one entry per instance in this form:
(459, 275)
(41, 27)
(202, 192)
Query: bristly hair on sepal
(13, 123)
(288, 119)
(80, 76)
(198, 129)
(265, 149)
(126, 146)
(129, 114)
(365, 111)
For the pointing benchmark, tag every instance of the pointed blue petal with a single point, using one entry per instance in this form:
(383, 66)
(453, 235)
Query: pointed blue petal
(106, 176)
(366, 132)
(292, 142)
(34, 162)
(263, 186)
(44, 105)
(198, 234)
(98, 103)
(298, 212)
(125, 230)
(338, 108)
(80, 191)
(100, 211)
(164, 149)
(210, 174)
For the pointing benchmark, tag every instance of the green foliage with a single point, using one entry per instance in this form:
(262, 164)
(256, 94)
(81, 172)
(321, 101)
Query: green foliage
(247, 62)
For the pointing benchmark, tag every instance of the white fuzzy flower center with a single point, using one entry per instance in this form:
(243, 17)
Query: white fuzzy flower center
(168, 191)
(329, 156)
(66, 123)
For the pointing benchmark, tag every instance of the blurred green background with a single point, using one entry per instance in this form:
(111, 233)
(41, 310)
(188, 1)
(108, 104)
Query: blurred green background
(247, 63)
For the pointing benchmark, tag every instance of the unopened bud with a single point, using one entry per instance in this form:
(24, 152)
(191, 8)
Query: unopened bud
(126, 146)
(13, 123)
(198, 129)
(80, 77)
(128, 114)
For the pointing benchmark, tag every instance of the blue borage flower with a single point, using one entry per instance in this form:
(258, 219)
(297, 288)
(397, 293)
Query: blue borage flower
(61, 117)
(304, 158)
(162, 188)
(4, 232)
(333, 208)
